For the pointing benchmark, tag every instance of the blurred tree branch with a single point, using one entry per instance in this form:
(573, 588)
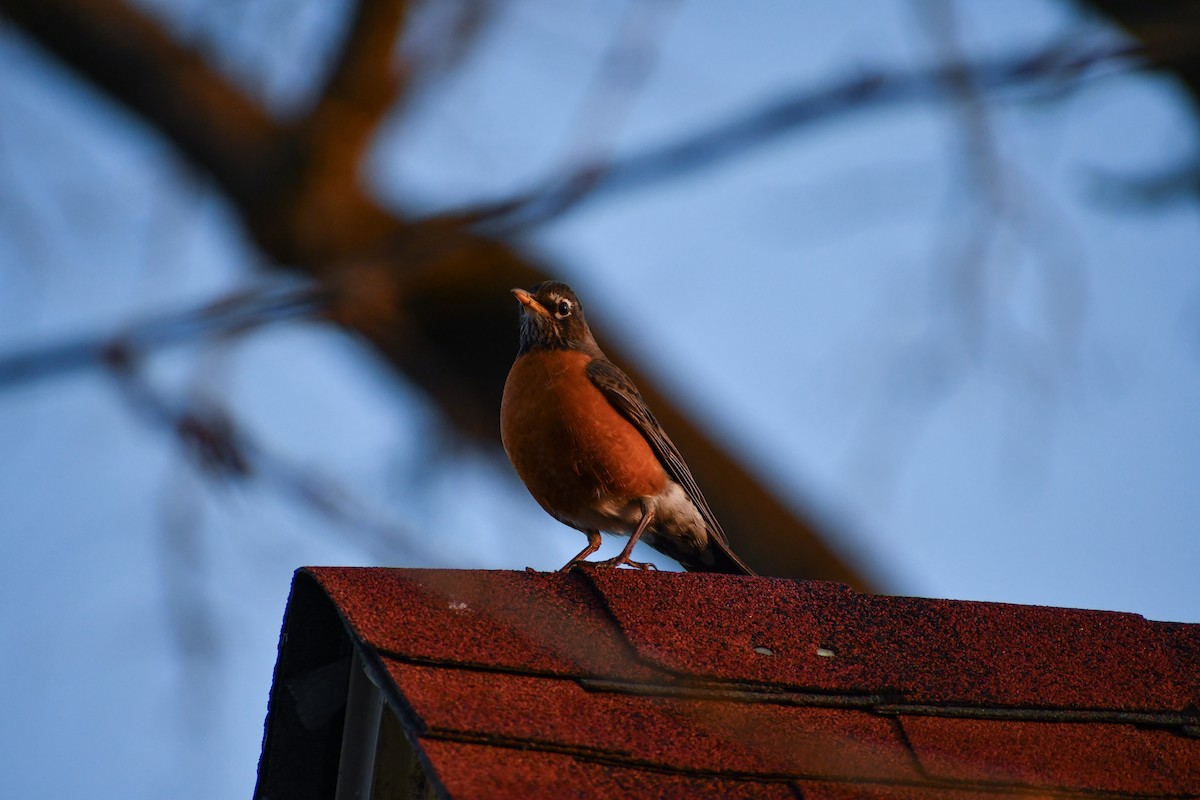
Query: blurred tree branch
(1169, 31)
(131, 58)
(405, 285)
(233, 314)
(1049, 69)
(223, 452)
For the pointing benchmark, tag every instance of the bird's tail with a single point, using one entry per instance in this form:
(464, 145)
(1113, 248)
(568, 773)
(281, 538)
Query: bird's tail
(725, 560)
(716, 557)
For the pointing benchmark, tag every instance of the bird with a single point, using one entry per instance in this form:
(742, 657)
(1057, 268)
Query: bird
(590, 451)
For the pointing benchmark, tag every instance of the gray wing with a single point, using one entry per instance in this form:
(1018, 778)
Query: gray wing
(624, 396)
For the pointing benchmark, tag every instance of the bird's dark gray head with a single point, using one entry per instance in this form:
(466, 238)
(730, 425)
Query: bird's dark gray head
(552, 319)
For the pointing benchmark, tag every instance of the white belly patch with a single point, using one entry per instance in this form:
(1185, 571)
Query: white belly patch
(675, 516)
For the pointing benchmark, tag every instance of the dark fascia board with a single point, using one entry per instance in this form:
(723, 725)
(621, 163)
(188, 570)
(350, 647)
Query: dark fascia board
(307, 710)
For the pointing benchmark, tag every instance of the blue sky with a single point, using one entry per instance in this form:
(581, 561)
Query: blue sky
(1044, 449)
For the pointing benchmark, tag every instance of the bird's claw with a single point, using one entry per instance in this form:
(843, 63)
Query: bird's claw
(618, 561)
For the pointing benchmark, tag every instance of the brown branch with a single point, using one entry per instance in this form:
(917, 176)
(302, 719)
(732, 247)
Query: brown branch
(301, 209)
(327, 207)
(364, 75)
(134, 60)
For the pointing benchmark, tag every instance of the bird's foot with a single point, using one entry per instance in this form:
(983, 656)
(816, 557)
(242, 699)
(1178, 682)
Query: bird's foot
(626, 561)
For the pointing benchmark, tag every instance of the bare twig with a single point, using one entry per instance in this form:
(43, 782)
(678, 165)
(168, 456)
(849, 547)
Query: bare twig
(438, 38)
(969, 321)
(235, 313)
(1047, 69)
(1149, 191)
(626, 65)
(223, 451)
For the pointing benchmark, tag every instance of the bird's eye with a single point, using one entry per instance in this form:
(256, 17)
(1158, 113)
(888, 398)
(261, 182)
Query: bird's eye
(564, 308)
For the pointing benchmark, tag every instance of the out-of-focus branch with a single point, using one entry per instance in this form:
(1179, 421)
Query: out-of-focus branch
(330, 142)
(1169, 31)
(967, 271)
(436, 42)
(224, 451)
(968, 321)
(627, 63)
(237, 313)
(134, 60)
(299, 209)
(364, 76)
(1152, 191)
(1053, 68)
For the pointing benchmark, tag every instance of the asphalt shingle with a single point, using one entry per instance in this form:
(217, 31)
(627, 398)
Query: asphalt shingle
(619, 683)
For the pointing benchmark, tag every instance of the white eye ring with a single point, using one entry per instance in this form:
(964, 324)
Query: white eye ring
(563, 308)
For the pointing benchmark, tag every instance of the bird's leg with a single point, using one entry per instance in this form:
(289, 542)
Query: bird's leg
(637, 534)
(592, 546)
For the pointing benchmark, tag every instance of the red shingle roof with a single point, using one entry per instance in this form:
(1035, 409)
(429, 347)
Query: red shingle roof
(617, 683)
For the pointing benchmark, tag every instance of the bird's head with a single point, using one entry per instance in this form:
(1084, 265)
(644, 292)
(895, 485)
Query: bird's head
(552, 319)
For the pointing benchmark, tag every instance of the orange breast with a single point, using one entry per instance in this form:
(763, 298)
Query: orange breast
(569, 445)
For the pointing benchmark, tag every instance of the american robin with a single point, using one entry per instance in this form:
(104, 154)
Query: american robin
(590, 452)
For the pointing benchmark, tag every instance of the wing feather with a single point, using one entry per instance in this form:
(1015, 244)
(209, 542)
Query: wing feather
(624, 396)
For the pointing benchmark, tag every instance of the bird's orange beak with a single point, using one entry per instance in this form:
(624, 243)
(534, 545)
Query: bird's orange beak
(526, 300)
